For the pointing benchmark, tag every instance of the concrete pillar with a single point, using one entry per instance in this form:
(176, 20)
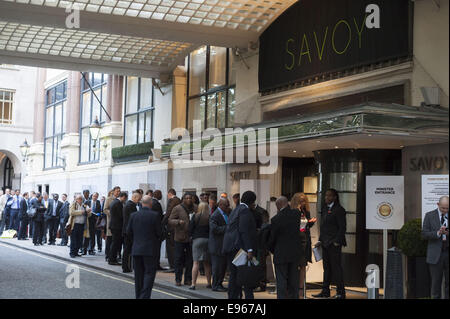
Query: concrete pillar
(117, 98)
(109, 90)
(73, 102)
(39, 107)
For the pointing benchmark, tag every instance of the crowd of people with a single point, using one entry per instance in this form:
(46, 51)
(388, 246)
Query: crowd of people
(203, 235)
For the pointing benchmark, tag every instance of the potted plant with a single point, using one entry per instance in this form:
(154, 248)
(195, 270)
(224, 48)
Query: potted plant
(412, 245)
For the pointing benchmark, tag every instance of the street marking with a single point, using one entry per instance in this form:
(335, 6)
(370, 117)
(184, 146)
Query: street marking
(86, 269)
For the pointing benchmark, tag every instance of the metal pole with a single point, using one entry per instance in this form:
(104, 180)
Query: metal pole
(385, 244)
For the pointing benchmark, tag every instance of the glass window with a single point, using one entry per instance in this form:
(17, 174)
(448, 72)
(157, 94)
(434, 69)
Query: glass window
(139, 110)
(217, 98)
(217, 67)
(197, 72)
(91, 109)
(55, 124)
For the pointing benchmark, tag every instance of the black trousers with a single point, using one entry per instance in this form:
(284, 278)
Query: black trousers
(126, 256)
(144, 275)
(332, 269)
(108, 247)
(76, 238)
(52, 229)
(235, 291)
(183, 259)
(288, 280)
(170, 251)
(98, 237)
(219, 265)
(63, 234)
(30, 231)
(44, 233)
(262, 255)
(89, 243)
(38, 229)
(438, 271)
(23, 229)
(116, 244)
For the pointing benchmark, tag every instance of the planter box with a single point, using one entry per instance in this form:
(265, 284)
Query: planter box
(419, 279)
(132, 152)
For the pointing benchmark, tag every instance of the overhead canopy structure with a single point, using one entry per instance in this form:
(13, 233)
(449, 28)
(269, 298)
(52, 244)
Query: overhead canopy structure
(136, 37)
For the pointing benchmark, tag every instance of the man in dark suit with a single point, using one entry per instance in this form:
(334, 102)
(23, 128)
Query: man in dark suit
(96, 209)
(217, 226)
(240, 234)
(332, 237)
(116, 227)
(261, 217)
(23, 216)
(48, 217)
(435, 230)
(129, 208)
(168, 231)
(285, 244)
(144, 229)
(63, 219)
(156, 206)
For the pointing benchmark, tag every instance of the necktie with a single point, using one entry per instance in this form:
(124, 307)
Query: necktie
(442, 220)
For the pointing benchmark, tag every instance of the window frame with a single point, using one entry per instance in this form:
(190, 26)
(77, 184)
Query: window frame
(2, 106)
(208, 91)
(53, 105)
(83, 89)
(139, 110)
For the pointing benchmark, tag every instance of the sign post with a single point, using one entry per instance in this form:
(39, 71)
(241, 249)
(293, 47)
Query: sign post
(384, 208)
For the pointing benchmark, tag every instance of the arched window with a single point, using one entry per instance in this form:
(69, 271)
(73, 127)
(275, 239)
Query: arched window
(8, 172)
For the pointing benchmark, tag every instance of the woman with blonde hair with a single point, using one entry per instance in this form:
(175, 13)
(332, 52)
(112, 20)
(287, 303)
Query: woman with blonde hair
(199, 231)
(300, 203)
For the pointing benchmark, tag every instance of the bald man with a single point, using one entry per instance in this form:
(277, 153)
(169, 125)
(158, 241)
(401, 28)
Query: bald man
(144, 230)
(129, 208)
(285, 244)
(435, 229)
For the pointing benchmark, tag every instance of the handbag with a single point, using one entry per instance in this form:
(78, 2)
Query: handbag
(249, 275)
(68, 229)
(31, 212)
(101, 223)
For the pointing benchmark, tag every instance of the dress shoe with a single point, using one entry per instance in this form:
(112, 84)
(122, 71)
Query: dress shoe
(84, 252)
(178, 284)
(73, 256)
(114, 263)
(339, 296)
(259, 289)
(192, 288)
(188, 283)
(169, 271)
(220, 289)
(91, 253)
(79, 255)
(321, 295)
(126, 271)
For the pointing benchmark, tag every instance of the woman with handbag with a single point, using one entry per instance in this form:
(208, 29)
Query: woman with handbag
(199, 231)
(300, 203)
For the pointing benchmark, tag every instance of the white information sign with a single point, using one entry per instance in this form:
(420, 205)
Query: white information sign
(384, 202)
(433, 188)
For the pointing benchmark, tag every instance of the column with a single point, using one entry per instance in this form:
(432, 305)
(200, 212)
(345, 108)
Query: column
(39, 107)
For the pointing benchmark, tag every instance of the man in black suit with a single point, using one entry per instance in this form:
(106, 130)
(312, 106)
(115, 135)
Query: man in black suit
(129, 208)
(285, 244)
(156, 206)
(217, 226)
(63, 219)
(96, 209)
(52, 214)
(144, 229)
(23, 217)
(240, 234)
(48, 204)
(435, 230)
(261, 218)
(116, 227)
(168, 232)
(332, 237)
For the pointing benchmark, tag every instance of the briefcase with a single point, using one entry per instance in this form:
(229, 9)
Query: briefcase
(68, 229)
(249, 275)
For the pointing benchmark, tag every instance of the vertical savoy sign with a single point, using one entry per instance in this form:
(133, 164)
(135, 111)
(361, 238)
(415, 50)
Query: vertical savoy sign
(313, 38)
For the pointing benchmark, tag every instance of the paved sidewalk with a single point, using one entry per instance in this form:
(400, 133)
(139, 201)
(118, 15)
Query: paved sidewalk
(163, 280)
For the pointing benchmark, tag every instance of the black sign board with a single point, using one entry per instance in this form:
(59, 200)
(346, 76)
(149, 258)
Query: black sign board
(316, 37)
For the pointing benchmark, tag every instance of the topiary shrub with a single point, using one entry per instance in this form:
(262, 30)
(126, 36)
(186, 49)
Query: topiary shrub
(410, 239)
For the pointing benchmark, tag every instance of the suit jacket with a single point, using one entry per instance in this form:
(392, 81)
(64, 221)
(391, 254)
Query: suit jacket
(181, 231)
(333, 225)
(116, 212)
(49, 210)
(285, 241)
(98, 206)
(23, 209)
(40, 210)
(156, 206)
(64, 212)
(128, 209)
(107, 211)
(174, 201)
(431, 226)
(144, 229)
(217, 228)
(241, 230)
